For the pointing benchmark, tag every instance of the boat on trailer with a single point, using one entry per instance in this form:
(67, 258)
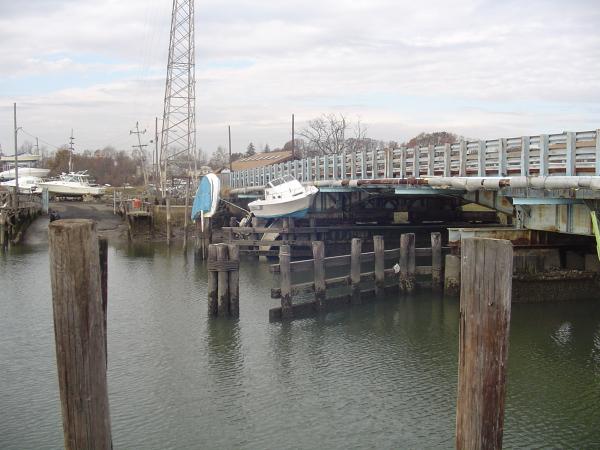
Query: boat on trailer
(73, 184)
(284, 197)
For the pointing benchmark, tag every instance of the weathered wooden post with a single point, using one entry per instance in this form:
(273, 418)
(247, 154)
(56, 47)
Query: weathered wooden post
(3, 232)
(213, 308)
(318, 249)
(286, 281)
(103, 254)
(436, 261)
(234, 280)
(79, 333)
(355, 270)
(452, 275)
(313, 223)
(407, 263)
(168, 218)
(285, 224)
(483, 342)
(378, 248)
(185, 214)
(223, 280)
(291, 226)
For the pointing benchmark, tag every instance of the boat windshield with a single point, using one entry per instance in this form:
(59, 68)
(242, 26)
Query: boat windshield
(282, 180)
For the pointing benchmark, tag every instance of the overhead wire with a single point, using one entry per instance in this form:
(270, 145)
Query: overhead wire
(38, 138)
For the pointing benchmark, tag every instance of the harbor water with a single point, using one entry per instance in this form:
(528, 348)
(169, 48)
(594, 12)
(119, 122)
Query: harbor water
(380, 375)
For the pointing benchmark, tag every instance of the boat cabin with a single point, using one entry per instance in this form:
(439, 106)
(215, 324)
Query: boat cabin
(283, 187)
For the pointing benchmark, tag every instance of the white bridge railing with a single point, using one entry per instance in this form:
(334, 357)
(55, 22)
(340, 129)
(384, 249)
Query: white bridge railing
(567, 154)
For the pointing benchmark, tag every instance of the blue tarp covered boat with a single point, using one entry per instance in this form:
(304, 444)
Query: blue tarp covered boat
(207, 198)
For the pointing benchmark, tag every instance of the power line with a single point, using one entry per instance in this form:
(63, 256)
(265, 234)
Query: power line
(40, 139)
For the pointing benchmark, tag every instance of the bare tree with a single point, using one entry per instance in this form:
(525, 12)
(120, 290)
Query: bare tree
(219, 159)
(25, 147)
(326, 134)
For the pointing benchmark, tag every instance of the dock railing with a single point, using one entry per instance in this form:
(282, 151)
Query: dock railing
(568, 154)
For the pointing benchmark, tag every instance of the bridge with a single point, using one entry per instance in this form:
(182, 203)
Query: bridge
(548, 182)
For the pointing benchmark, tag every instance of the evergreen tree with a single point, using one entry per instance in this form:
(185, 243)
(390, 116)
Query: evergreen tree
(250, 150)
(267, 148)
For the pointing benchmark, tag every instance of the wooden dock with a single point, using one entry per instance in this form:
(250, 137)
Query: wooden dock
(404, 277)
(16, 215)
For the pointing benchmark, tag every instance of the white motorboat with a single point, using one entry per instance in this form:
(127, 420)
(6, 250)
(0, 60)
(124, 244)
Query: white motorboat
(284, 197)
(25, 172)
(73, 184)
(27, 184)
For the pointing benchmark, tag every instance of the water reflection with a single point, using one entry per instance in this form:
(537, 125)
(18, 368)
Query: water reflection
(377, 375)
(563, 335)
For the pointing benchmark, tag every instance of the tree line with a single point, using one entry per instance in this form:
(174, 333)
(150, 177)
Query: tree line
(325, 135)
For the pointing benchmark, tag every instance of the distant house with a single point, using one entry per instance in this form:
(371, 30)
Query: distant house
(261, 159)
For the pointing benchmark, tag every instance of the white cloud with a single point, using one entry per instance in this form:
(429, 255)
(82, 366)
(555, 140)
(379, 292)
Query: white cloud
(479, 68)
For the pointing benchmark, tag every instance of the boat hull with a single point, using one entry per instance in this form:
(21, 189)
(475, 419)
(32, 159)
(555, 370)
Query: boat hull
(25, 172)
(74, 190)
(296, 207)
(27, 185)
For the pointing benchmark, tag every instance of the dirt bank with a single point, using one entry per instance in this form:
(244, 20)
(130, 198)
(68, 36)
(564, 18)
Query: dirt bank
(109, 225)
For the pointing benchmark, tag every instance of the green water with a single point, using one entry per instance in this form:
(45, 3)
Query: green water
(381, 375)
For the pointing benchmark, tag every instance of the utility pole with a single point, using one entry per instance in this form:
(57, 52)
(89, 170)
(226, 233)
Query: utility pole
(229, 132)
(140, 149)
(37, 146)
(71, 150)
(16, 200)
(293, 138)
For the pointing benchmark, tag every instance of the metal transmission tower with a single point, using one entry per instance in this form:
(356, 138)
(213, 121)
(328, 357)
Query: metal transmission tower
(178, 136)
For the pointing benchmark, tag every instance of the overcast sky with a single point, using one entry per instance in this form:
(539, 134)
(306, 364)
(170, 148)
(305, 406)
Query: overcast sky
(482, 69)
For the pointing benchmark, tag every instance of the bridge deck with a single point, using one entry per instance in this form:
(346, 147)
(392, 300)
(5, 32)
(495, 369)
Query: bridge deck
(566, 154)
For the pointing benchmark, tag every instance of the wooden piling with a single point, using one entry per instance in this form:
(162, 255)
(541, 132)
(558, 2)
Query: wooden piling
(234, 281)
(355, 270)
(223, 281)
(378, 248)
(286, 281)
(483, 342)
(185, 214)
(285, 224)
(452, 275)
(313, 223)
(407, 280)
(79, 333)
(3, 230)
(212, 281)
(168, 218)
(436, 261)
(318, 249)
(103, 254)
